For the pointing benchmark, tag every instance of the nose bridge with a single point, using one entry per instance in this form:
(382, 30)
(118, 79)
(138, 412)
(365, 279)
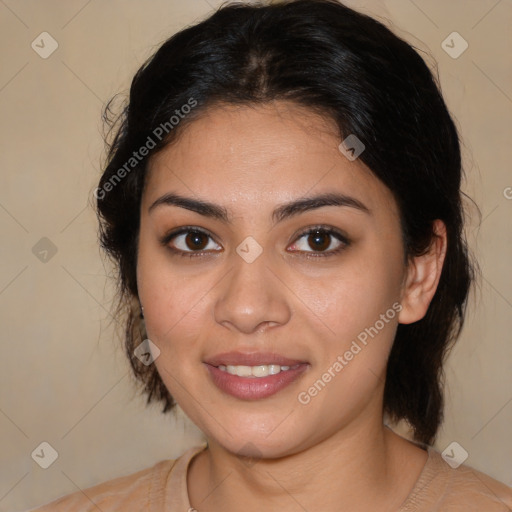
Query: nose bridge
(250, 295)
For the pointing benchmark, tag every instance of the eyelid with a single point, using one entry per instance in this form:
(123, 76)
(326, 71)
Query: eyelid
(326, 228)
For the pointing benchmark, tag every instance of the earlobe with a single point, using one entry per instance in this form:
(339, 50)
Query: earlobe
(423, 274)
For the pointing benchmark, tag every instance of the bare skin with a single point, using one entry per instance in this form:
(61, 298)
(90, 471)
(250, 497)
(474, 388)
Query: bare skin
(332, 453)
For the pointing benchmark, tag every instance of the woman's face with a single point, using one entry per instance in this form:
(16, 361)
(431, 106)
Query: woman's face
(242, 289)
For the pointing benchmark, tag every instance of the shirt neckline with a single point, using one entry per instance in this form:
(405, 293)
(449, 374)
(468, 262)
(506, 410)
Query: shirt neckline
(178, 481)
(431, 468)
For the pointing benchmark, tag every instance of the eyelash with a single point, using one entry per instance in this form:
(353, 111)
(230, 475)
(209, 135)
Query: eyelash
(327, 230)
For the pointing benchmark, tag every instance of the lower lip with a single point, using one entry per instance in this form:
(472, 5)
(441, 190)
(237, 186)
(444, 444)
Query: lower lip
(247, 388)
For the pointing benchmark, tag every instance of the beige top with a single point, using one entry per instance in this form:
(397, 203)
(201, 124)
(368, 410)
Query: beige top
(163, 488)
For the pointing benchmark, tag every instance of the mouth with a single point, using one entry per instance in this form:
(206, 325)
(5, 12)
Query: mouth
(253, 376)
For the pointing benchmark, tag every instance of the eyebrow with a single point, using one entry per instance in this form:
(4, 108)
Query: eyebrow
(279, 214)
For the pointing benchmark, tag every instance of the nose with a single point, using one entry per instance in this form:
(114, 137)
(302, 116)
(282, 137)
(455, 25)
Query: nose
(251, 298)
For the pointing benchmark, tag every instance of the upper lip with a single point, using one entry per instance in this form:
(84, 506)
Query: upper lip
(251, 359)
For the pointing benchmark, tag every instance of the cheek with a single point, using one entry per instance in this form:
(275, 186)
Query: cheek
(360, 306)
(174, 312)
(174, 303)
(354, 295)
(174, 322)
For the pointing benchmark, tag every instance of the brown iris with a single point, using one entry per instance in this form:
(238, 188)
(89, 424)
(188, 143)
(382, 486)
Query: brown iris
(321, 240)
(196, 240)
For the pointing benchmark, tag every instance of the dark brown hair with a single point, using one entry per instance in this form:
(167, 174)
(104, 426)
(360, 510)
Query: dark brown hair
(351, 68)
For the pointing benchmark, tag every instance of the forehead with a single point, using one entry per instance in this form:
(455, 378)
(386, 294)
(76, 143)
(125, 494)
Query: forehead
(258, 156)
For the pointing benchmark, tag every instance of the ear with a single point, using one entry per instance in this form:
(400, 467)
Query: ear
(423, 274)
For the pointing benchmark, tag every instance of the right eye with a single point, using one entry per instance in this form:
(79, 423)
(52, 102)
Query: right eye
(189, 241)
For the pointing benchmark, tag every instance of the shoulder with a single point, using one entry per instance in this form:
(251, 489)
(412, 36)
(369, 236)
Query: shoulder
(131, 492)
(457, 488)
(480, 490)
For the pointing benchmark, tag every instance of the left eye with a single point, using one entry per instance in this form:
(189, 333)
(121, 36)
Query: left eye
(321, 240)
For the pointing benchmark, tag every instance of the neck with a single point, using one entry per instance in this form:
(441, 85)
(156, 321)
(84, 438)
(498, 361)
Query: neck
(361, 467)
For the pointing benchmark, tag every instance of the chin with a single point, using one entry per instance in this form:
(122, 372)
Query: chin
(256, 448)
(258, 436)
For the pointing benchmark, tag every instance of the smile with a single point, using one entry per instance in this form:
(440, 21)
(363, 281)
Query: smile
(259, 371)
(253, 376)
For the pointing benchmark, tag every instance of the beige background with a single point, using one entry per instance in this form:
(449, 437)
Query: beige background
(63, 379)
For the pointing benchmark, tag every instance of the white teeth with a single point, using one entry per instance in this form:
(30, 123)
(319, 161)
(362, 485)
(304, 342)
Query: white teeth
(273, 369)
(243, 371)
(262, 370)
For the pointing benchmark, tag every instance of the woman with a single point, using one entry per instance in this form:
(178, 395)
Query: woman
(282, 201)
